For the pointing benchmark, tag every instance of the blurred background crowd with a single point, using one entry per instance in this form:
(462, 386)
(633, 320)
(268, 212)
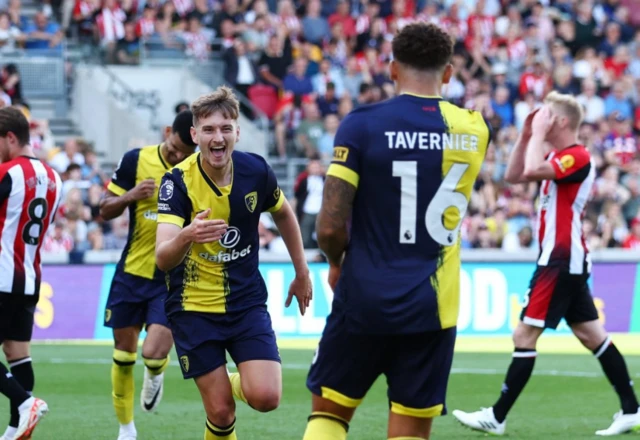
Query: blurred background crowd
(307, 63)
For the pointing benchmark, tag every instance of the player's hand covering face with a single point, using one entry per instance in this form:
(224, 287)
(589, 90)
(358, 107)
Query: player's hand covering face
(216, 136)
(543, 121)
(300, 288)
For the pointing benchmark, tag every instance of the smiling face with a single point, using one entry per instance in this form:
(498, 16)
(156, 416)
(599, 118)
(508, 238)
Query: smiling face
(216, 134)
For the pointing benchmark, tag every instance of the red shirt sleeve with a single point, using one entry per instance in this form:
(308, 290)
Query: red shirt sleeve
(571, 165)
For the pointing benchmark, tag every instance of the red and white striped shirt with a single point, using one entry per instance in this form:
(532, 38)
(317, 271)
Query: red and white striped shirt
(111, 24)
(30, 192)
(145, 27)
(562, 204)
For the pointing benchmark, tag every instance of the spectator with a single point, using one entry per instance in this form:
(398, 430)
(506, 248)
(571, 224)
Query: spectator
(287, 120)
(297, 82)
(275, 61)
(42, 34)
(230, 12)
(71, 154)
(10, 36)
(10, 83)
(328, 74)
(110, 25)
(501, 105)
(328, 104)
(128, 47)
(18, 19)
(116, 239)
(270, 239)
(197, 40)
(617, 103)
(592, 103)
(310, 131)
(315, 27)
(240, 71)
(73, 180)
(632, 241)
(308, 194)
(95, 237)
(57, 240)
(325, 143)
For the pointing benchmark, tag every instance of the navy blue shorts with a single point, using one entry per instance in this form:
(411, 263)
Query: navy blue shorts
(417, 367)
(201, 339)
(135, 301)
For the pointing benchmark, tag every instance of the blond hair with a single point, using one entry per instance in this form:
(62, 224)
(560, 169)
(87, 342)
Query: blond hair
(223, 100)
(568, 106)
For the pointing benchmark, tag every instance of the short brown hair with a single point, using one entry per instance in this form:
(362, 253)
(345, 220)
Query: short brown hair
(14, 121)
(423, 46)
(568, 106)
(223, 100)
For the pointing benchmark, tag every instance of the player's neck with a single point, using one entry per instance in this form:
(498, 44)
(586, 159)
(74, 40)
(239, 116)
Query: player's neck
(420, 89)
(16, 152)
(567, 140)
(163, 152)
(219, 176)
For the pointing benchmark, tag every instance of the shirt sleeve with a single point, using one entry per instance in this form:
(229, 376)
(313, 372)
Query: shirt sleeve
(274, 197)
(124, 177)
(5, 186)
(174, 206)
(572, 165)
(347, 149)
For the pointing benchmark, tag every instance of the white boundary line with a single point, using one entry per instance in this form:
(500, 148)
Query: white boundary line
(289, 366)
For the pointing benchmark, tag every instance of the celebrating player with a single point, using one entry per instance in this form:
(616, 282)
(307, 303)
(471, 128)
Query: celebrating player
(29, 195)
(559, 287)
(138, 290)
(208, 242)
(402, 171)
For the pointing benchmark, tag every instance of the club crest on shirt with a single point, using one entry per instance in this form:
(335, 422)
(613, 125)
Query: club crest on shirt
(276, 194)
(184, 362)
(565, 162)
(340, 154)
(166, 190)
(251, 200)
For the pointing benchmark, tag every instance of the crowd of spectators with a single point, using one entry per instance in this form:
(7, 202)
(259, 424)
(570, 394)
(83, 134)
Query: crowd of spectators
(307, 63)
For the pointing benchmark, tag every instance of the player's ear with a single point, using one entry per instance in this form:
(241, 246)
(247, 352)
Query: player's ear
(447, 74)
(393, 70)
(237, 131)
(194, 138)
(167, 132)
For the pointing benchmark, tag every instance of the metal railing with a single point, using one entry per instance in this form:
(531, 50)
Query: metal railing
(41, 76)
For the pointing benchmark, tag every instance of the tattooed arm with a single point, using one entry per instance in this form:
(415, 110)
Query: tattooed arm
(331, 226)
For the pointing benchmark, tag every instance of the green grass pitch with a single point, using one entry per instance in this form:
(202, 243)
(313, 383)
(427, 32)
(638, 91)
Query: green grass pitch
(567, 398)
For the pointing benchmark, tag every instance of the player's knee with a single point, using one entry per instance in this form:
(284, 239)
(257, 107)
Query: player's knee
(525, 337)
(590, 337)
(15, 350)
(264, 400)
(221, 413)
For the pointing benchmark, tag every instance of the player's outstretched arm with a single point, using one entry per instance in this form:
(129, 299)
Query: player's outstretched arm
(173, 242)
(331, 226)
(113, 205)
(287, 223)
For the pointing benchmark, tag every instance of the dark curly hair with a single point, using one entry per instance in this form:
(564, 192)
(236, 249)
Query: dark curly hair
(423, 47)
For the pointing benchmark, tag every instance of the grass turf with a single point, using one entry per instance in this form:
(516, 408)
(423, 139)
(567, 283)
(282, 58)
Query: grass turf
(567, 398)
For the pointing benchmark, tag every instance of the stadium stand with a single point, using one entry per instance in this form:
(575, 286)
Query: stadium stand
(305, 64)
